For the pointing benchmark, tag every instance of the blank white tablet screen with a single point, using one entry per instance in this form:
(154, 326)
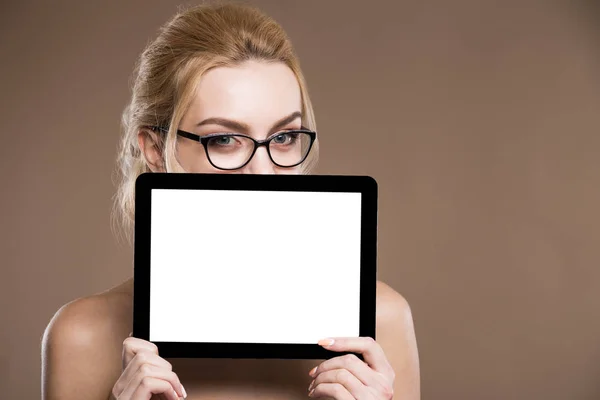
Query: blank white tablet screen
(231, 266)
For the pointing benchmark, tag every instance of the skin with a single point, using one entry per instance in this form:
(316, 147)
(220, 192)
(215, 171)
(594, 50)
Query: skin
(87, 351)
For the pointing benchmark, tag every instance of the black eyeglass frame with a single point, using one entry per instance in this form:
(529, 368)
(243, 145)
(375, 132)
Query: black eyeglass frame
(257, 143)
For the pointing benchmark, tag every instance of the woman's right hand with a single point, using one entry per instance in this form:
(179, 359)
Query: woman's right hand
(145, 375)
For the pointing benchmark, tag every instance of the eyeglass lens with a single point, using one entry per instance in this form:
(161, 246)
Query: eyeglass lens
(233, 151)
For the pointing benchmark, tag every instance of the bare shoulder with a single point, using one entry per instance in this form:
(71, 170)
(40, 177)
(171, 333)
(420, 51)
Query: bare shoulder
(395, 333)
(391, 305)
(82, 344)
(89, 317)
(394, 315)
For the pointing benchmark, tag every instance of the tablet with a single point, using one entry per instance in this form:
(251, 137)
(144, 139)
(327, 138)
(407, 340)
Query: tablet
(253, 266)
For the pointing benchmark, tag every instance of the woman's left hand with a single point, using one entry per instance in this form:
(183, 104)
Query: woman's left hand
(347, 377)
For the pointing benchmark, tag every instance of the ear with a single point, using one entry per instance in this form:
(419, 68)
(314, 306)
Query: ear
(150, 145)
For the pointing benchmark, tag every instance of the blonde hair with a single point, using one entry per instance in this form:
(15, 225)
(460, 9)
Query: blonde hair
(166, 75)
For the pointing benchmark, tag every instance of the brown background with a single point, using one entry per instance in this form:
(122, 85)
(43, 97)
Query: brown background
(480, 120)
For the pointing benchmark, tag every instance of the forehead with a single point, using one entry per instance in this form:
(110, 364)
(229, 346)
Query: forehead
(255, 93)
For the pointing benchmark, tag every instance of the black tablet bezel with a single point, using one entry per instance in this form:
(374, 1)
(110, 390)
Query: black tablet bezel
(146, 182)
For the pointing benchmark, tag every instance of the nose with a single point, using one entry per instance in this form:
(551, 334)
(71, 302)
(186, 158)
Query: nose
(260, 163)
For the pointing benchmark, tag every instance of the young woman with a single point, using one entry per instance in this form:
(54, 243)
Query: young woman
(219, 90)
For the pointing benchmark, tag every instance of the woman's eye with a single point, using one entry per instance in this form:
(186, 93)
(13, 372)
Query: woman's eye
(285, 138)
(222, 140)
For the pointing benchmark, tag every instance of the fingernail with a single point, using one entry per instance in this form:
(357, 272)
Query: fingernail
(313, 371)
(176, 395)
(326, 342)
(130, 333)
(311, 393)
(311, 385)
(184, 392)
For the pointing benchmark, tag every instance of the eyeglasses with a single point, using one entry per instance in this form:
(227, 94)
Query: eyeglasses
(230, 151)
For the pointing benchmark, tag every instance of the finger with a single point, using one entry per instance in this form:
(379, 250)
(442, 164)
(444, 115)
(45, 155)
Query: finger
(367, 346)
(150, 386)
(355, 366)
(332, 390)
(146, 357)
(141, 359)
(345, 378)
(131, 346)
(148, 370)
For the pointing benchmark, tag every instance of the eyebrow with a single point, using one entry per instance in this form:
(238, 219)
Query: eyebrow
(244, 128)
